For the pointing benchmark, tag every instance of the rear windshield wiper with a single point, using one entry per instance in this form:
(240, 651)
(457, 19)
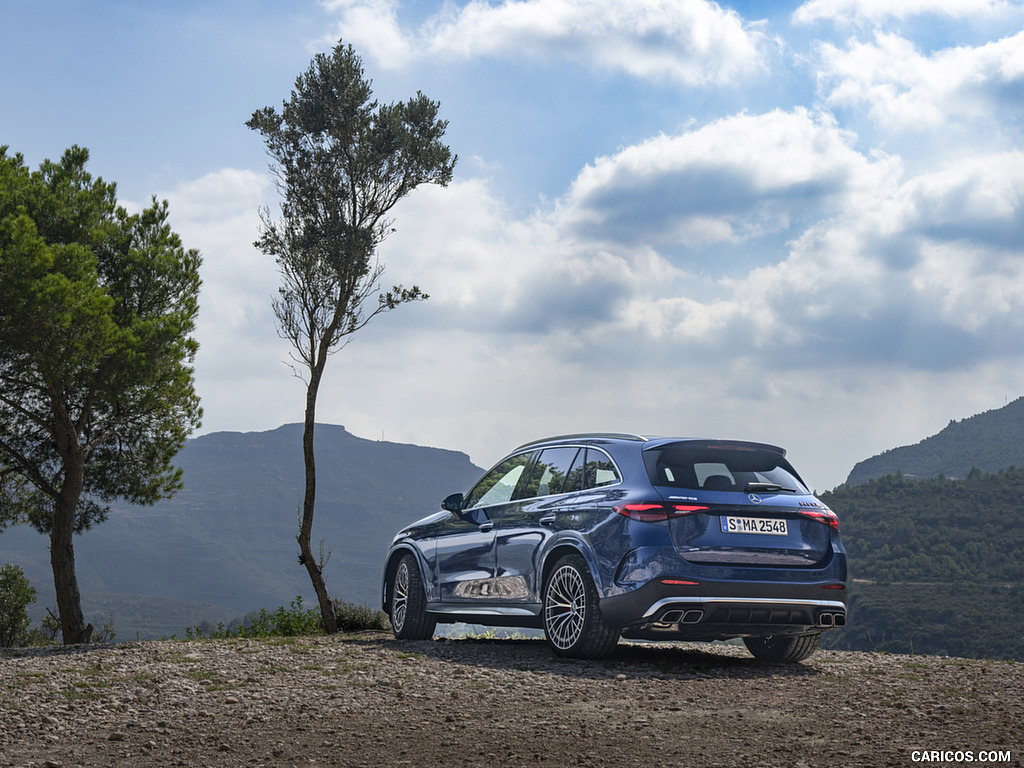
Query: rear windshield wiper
(767, 488)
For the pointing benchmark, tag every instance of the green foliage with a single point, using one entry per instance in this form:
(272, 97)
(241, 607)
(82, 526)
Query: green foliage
(96, 308)
(342, 162)
(284, 622)
(294, 621)
(952, 619)
(360, 618)
(45, 633)
(15, 596)
(969, 530)
(936, 564)
(96, 384)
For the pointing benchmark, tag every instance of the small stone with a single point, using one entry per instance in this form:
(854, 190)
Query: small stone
(117, 736)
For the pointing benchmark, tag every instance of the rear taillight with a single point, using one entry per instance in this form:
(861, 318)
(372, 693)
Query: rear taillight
(656, 511)
(826, 516)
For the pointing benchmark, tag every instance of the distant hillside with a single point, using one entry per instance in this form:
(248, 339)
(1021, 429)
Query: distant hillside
(935, 563)
(228, 539)
(990, 441)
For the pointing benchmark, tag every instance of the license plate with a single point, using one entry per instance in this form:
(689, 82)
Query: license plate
(771, 526)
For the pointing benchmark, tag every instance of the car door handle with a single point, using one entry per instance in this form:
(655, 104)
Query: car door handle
(484, 527)
(547, 519)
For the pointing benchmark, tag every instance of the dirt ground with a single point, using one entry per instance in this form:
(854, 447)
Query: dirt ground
(368, 700)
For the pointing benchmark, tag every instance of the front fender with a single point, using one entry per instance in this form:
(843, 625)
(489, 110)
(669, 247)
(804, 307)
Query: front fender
(391, 563)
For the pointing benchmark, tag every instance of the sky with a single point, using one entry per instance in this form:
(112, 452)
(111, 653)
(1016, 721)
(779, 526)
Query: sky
(794, 222)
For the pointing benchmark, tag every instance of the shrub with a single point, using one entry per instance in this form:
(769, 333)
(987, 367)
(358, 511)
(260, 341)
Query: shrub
(360, 618)
(295, 620)
(45, 633)
(284, 622)
(15, 597)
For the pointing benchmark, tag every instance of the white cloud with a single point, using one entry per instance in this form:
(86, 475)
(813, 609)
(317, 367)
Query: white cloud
(532, 328)
(240, 373)
(883, 266)
(978, 195)
(878, 11)
(489, 271)
(908, 90)
(927, 275)
(727, 181)
(689, 41)
(373, 26)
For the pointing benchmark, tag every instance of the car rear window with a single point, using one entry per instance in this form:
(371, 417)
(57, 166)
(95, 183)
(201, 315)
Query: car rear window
(719, 468)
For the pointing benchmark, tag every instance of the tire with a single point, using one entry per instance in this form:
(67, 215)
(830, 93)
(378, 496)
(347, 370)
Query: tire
(783, 648)
(573, 625)
(409, 617)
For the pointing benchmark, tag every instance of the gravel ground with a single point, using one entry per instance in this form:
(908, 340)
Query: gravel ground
(368, 700)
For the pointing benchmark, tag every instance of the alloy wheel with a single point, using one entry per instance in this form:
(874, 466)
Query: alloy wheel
(565, 607)
(400, 596)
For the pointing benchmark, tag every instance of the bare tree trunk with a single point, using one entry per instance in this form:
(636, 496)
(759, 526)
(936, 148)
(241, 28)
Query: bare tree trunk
(306, 556)
(62, 551)
(73, 628)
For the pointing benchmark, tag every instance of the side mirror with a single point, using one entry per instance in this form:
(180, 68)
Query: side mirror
(453, 503)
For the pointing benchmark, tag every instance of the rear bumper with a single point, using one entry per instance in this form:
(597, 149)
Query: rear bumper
(722, 610)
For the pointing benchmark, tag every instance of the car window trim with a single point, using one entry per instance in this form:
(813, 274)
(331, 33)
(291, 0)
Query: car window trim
(552, 495)
(527, 468)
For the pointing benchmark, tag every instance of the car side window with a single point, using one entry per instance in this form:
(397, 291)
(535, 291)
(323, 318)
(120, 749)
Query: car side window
(498, 485)
(574, 477)
(549, 473)
(599, 470)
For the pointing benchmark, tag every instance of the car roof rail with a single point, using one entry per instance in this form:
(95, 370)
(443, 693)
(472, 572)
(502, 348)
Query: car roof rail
(587, 436)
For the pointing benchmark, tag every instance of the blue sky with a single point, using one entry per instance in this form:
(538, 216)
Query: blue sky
(801, 223)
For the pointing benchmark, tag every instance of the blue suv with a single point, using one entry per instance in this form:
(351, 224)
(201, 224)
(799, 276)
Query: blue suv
(592, 537)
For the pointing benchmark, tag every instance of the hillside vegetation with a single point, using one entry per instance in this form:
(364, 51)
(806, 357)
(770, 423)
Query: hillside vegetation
(972, 529)
(936, 564)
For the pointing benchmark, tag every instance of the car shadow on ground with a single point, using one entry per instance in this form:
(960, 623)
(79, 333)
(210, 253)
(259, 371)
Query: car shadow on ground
(632, 659)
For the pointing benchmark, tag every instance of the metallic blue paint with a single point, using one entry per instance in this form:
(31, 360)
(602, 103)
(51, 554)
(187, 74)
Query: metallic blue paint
(487, 565)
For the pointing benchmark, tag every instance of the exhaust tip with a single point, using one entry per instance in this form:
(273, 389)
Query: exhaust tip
(840, 620)
(826, 620)
(692, 616)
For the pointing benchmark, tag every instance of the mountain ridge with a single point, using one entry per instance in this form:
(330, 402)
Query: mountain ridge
(988, 441)
(228, 538)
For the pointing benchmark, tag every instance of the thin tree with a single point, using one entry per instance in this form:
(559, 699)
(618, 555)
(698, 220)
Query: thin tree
(96, 384)
(341, 162)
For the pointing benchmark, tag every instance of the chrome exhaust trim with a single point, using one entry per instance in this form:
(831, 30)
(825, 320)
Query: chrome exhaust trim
(835, 605)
